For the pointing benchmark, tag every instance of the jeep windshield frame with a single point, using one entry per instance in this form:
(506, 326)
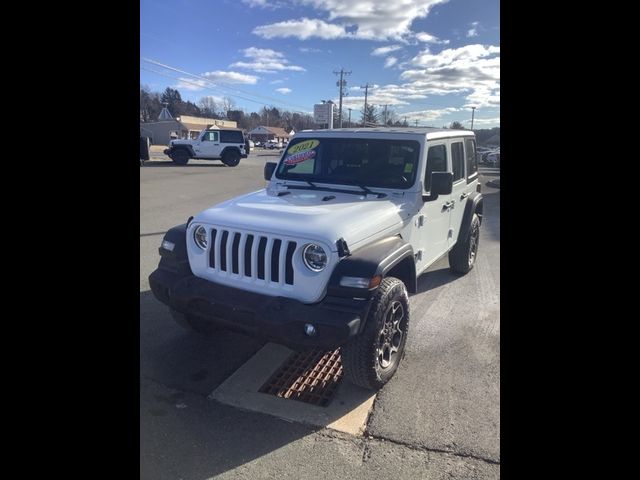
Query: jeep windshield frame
(353, 161)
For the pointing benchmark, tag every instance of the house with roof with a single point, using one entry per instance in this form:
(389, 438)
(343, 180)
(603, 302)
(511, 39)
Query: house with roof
(184, 126)
(262, 134)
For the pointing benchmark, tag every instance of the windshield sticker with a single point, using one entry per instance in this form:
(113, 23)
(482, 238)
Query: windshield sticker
(299, 157)
(303, 146)
(408, 168)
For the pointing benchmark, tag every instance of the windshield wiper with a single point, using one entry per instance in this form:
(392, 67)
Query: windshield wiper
(313, 186)
(364, 188)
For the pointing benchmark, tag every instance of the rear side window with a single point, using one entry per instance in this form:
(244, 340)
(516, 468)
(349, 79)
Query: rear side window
(436, 162)
(472, 162)
(231, 136)
(457, 158)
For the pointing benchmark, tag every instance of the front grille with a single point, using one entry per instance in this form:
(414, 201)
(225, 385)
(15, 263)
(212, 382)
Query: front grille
(254, 256)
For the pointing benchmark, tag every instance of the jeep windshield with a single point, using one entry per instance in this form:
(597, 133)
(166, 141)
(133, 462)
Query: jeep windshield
(351, 161)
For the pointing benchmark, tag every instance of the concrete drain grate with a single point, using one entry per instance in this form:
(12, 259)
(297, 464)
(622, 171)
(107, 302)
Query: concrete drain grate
(311, 377)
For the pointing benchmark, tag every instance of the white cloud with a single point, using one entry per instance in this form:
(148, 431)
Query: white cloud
(215, 98)
(230, 77)
(384, 50)
(428, 115)
(192, 84)
(472, 71)
(390, 62)
(270, 4)
(303, 29)
(472, 68)
(309, 50)
(428, 38)
(357, 19)
(485, 121)
(473, 32)
(266, 60)
(275, 82)
(283, 90)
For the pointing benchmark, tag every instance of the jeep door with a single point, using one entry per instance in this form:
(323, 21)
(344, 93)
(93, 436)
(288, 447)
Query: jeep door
(433, 219)
(460, 190)
(209, 145)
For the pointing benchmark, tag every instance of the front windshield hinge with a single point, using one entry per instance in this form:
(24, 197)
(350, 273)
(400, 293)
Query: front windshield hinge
(343, 248)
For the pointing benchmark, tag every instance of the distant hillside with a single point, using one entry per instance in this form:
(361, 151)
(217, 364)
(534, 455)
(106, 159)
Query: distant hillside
(488, 136)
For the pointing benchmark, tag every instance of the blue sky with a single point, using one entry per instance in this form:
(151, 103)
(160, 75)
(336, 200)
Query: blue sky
(429, 60)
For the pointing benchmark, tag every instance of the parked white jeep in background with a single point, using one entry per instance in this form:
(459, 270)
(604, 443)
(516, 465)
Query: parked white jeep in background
(228, 145)
(325, 255)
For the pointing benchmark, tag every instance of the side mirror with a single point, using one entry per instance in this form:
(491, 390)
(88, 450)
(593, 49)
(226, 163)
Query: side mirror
(269, 168)
(441, 184)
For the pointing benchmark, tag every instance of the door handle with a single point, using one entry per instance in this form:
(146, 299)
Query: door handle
(447, 206)
(464, 195)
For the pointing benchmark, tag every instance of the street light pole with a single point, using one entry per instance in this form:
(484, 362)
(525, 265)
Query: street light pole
(473, 111)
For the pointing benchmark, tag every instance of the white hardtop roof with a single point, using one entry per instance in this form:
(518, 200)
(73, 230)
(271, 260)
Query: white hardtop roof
(430, 132)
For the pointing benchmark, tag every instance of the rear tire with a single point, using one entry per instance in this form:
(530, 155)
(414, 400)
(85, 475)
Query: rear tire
(372, 358)
(180, 157)
(231, 158)
(462, 256)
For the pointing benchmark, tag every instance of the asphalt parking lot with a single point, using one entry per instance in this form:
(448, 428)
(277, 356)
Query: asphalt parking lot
(439, 417)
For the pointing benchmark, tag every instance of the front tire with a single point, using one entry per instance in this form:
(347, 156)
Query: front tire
(231, 158)
(180, 157)
(462, 256)
(372, 358)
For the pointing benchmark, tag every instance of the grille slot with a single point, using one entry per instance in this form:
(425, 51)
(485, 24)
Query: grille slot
(258, 257)
(234, 253)
(223, 251)
(212, 257)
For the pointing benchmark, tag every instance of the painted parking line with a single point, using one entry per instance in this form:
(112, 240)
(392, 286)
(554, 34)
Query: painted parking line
(347, 412)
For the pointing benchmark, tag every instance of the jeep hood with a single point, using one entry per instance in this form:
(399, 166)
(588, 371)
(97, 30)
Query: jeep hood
(304, 214)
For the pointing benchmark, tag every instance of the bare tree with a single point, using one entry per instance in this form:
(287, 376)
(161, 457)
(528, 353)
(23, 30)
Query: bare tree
(208, 107)
(228, 104)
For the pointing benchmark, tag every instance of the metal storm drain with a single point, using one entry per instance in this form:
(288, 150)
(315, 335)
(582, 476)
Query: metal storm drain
(311, 377)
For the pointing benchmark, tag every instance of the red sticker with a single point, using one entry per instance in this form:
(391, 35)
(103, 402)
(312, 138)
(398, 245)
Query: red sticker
(299, 157)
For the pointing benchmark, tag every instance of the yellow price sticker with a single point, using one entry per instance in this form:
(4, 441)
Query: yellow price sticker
(303, 146)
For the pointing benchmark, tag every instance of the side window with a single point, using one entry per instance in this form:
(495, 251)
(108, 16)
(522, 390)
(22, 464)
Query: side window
(457, 158)
(210, 137)
(472, 162)
(231, 136)
(436, 162)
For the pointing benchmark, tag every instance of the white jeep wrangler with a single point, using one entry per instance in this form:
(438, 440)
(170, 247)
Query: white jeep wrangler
(228, 145)
(325, 255)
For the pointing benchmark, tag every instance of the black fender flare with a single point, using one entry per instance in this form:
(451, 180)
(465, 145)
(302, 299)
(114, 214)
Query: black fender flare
(377, 258)
(226, 149)
(188, 148)
(474, 205)
(176, 260)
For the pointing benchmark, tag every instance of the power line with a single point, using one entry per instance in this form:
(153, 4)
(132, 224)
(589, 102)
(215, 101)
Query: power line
(341, 83)
(216, 89)
(200, 77)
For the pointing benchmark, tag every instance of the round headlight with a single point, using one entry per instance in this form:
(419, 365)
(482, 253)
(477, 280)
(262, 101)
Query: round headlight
(314, 257)
(200, 237)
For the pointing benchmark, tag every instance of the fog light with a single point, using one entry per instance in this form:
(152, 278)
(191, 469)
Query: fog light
(309, 329)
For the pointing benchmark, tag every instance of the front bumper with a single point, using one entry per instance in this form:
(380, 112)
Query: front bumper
(277, 319)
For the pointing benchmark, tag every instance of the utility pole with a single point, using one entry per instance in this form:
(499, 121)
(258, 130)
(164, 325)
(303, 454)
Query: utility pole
(385, 113)
(364, 115)
(416, 123)
(341, 83)
(349, 117)
(473, 110)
